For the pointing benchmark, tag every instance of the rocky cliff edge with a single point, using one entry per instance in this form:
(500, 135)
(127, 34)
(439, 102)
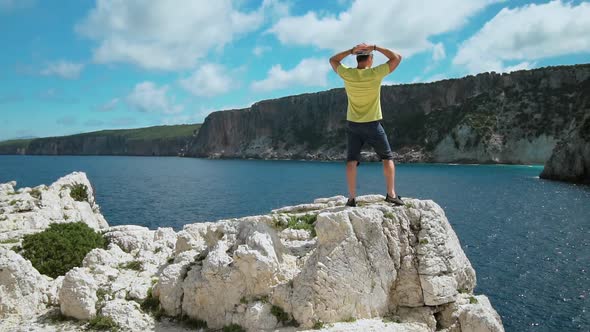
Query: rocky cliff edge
(321, 265)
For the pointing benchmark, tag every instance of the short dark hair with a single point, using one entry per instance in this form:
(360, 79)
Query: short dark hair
(363, 57)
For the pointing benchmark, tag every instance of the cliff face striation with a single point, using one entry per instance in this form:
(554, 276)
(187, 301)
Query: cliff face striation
(151, 141)
(570, 160)
(372, 268)
(488, 118)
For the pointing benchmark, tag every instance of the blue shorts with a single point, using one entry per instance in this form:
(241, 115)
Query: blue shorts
(366, 132)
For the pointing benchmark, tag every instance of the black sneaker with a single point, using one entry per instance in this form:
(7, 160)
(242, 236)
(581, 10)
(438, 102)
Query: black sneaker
(351, 202)
(395, 200)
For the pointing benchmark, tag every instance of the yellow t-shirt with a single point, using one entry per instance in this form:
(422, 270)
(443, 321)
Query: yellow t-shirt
(363, 88)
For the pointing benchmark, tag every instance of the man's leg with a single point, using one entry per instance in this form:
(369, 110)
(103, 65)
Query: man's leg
(351, 178)
(380, 143)
(389, 173)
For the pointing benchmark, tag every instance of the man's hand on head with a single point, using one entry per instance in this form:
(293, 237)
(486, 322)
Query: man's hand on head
(361, 48)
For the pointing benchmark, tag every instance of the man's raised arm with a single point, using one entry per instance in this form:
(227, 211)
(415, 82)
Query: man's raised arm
(335, 59)
(394, 58)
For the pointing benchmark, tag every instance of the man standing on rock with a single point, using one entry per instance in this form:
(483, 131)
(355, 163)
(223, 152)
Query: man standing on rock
(363, 89)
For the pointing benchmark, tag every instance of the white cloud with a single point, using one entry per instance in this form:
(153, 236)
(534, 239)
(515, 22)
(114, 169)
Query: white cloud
(309, 72)
(259, 50)
(208, 80)
(525, 34)
(109, 106)
(438, 52)
(64, 69)
(147, 97)
(165, 34)
(403, 25)
(67, 120)
(9, 5)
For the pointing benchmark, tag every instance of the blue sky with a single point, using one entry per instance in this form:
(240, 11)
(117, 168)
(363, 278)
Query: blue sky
(91, 65)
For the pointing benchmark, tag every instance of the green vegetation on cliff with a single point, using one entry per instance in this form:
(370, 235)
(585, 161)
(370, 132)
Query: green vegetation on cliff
(148, 133)
(157, 140)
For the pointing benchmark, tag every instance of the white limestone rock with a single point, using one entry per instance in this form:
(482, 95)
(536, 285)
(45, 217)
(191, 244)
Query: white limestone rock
(349, 274)
(480, 316)
(301, 208)
(257, 316)
(53, 290)
(442, 264)
(169, 288)
(130, 237)
(127, 315)
(246, 261)
(112, 257)
(22, 287)
(420, 315)
(77, 296)
(31, 210)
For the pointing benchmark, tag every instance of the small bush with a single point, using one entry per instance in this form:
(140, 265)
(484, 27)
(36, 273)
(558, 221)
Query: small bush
(101, 294)
(13, 202)
(79, 192)
(303, 222)
(280, 314)
(318, 325)
(151, 303)
(103, 323)
(9, 241)
(233, 328)
(193, 323)
(133, 265)
(60, 247)
(473, 300)
(350, 320)
(36, 193)
(389, 215)
(424, 241)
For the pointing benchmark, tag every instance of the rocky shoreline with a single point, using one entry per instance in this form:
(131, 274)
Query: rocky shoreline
(319, 266)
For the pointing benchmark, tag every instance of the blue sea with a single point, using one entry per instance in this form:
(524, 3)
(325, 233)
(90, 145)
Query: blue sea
(527, 238)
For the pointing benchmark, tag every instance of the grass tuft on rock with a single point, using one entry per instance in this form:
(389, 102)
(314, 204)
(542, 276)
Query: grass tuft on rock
(79, 192)
(133, 265)
(473, 300)
(36, 193)
(151, 303)
(280, 314)
(233, 328)
(60, 247)
(103, 323)
(193, 323)
(303, 222)
(318, 325)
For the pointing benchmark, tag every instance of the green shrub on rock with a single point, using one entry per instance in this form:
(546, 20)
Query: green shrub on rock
(103, 323)
(233, 328)
(60, 247)
(79, 192)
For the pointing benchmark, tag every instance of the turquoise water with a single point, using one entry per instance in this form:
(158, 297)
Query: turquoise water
(528, 239)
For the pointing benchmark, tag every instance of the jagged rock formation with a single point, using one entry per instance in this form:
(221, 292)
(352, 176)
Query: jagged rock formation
(389, 268)
(487, 118)
(570, 160)
(151, 141)
(31, 210)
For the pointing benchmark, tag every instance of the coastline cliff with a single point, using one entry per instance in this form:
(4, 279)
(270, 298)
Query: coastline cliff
(570, 160)
(488, 118)
(150, 141)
